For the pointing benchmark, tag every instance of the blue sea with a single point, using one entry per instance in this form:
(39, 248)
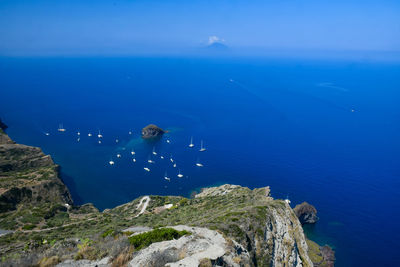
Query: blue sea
(326, 132)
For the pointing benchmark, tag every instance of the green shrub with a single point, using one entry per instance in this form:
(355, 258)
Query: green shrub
(146, 239)
(28, 226)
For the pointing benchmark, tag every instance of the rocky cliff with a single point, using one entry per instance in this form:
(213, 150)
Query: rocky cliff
(227, 225)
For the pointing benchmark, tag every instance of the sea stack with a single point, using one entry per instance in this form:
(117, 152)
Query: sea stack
(306, 213)
(152, 131)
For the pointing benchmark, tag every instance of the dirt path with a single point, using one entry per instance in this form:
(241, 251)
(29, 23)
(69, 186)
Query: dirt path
(145, 204)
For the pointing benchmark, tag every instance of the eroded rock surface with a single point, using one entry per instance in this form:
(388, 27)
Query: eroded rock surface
(203, 245)
(306, 213)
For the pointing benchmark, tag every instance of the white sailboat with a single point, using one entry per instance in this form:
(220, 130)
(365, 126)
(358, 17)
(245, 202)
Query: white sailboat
(146, 169)
(191, 142)
(78, 133)
(61, 128)
(99, 135)
(99, 141)
(154, 151)
(134, 160)
(89, 134)
(168, 141)
(202, 148)
(174, 165)
(111, 162)
(180, 175)
(133, 152)
(161, 157)
(149, 160)
(118, 155)
(47, 134)
(166, 177)
(198, 164)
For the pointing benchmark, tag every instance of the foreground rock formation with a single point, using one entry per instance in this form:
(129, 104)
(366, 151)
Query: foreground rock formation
(227, 225)
(152, 131)
(202, 246)
(306, 213)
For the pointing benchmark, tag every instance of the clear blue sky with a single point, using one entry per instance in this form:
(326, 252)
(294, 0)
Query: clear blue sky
(38, 27)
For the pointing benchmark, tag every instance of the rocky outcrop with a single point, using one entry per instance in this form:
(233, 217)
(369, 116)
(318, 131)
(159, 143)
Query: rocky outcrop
(201, 246)
(328, 256)
(4, 139)
(152, 131)
(216, 191)
(306, 213)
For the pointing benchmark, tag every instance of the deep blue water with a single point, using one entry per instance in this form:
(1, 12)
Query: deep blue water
(286, 124)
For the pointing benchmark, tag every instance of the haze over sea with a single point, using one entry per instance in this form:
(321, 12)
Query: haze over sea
(326, 132)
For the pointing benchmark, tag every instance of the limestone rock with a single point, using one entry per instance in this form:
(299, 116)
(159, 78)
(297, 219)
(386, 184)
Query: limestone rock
(202, 245)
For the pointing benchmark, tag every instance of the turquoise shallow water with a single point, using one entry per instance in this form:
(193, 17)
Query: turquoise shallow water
(324, 132)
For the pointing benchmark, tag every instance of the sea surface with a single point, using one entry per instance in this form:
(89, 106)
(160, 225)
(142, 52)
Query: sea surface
(323, 132)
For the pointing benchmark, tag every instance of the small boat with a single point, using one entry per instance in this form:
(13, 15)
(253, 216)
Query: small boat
(134, 160)
(47, 134)
(191, 142)
(78, 133)
(89, 134)
(174, 165)
(198, 164)
(79, 139)
(161, 157)
(111, 162)
(231, 80)
(180, 175)
(168, 141)
(154, 151)
(116, 140)
(146, 169)
(99, 135)
(133, 152)
(61, 128)
(118, 155)
(166, 177)
(99, 141)
(202, 148)
(171, 159)
(130, 132)
(149, 160)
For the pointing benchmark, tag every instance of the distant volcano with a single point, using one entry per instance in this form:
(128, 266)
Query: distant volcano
(217, 46)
